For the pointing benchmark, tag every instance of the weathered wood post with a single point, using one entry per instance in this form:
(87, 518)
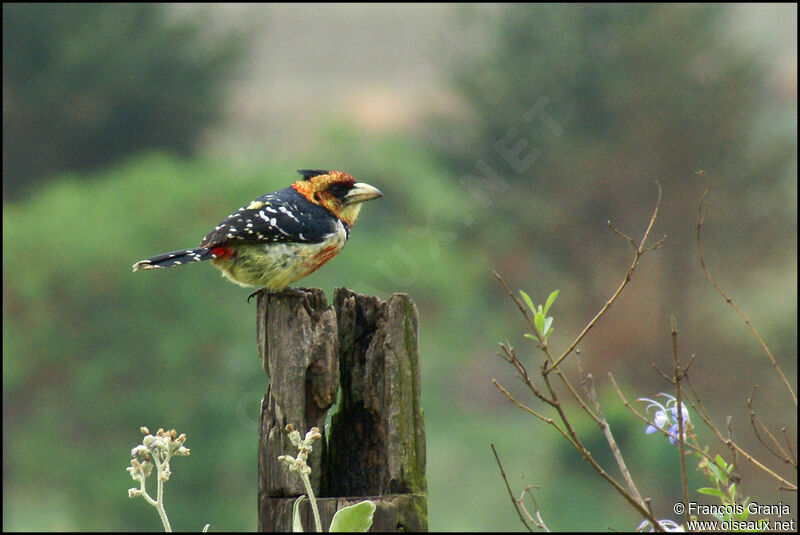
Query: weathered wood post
(375, 445)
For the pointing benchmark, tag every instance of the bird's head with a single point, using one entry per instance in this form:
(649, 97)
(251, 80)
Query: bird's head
(336, 191)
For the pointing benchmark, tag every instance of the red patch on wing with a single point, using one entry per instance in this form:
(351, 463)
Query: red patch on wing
(223, 253)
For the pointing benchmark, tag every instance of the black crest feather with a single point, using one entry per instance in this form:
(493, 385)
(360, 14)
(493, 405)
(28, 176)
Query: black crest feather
(309, 173)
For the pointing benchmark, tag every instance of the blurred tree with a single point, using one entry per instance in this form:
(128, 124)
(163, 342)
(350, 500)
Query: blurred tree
(571, 112)
(84, 84)
(578, 109)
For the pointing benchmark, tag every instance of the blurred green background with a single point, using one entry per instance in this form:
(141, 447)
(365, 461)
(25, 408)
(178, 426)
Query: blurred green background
(503, 137)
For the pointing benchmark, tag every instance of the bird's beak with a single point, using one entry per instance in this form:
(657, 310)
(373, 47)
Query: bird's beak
(361, 192)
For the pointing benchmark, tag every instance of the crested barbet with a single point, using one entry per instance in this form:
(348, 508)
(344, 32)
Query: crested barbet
(282, 236)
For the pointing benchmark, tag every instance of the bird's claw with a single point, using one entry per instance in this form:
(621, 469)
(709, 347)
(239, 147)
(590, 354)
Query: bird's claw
(296, 292)
(257, 292)
(303, 295)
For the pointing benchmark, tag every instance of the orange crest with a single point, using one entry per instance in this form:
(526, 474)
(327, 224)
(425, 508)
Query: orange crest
(316, 189)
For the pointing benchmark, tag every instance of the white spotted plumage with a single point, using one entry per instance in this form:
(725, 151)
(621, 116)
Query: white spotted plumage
(282, 236)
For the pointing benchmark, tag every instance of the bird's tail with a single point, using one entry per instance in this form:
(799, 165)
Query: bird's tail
(175, 258)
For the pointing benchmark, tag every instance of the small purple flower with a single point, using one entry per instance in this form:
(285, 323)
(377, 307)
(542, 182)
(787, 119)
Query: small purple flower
(667, 415)
(674, 410)
(660, 416)
(673, 432)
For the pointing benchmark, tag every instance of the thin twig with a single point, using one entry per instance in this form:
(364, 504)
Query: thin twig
(677, 375)
(633, 497)
(638, 252)
(508, 487)
(587, 456)
(789, 448)
(756, 423)
(700, 219)
(573, 439)
(522, 372)
(735, 458)
(524, 407)
(538, 520)
(701, 411)
(543, 346)
(606, 428)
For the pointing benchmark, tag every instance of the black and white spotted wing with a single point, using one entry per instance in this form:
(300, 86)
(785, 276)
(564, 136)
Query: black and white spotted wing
(283, 216)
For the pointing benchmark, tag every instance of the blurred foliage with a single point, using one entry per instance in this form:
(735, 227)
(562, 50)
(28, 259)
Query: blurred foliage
(84, 84)
(573, 112)
(92, 351)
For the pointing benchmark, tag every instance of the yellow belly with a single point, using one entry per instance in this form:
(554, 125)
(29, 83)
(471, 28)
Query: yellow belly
(275, 266)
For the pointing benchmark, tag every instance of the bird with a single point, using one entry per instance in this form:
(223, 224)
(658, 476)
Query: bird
(282, 236)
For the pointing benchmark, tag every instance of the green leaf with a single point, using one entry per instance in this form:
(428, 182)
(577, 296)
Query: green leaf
(528, 301)
(745, 512)
(297, 525)
(546, 329)
(356, 517)
(719, 461)
(711, 492)
(538, 320)
(716, 473)
(531, 336)
(550, 299)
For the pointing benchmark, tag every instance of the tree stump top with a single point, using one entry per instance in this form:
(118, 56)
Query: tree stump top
(366, 349)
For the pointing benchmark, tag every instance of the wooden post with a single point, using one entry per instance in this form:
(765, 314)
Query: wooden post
(375, 446)
(297, 339)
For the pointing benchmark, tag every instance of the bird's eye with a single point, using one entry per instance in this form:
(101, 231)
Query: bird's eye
(338, 190)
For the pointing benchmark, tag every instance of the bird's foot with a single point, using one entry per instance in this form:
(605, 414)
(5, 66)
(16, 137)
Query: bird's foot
(302, 294)
(296, 292)
(260, 291)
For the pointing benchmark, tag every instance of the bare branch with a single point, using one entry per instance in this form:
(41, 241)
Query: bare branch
(543, 346)
(522, 372)
(662, 374)
(619, 232)
(733, 446)
(638, 252)
(639, 505)
(781, 454)
(677, 375)
(606, 428)
(508, 487)
(789, 448)
(524, 407)
(538, 520)
(700, 220)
